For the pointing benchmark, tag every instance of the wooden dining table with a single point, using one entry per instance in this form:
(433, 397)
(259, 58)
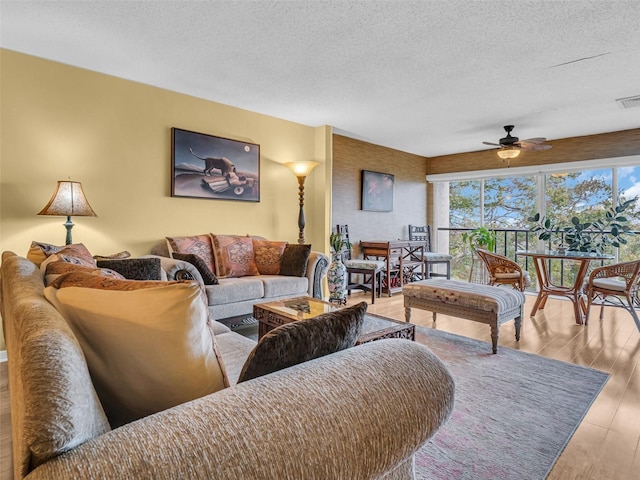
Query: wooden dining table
(573, 292)
(403, 261)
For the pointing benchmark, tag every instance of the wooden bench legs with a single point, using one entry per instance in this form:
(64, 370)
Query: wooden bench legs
(492, 319)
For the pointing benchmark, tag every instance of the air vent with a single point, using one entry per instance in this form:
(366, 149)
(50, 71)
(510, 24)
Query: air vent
(629, 102)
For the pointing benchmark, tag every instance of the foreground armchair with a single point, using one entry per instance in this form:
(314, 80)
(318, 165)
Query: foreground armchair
(615, 285)
(358, 413)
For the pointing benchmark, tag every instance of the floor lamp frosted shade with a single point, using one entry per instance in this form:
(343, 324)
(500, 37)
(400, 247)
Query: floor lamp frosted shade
(68, 200)
(301, 170)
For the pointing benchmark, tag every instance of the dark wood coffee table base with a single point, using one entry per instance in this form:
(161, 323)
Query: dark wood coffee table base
(375, 327)
(401, 330)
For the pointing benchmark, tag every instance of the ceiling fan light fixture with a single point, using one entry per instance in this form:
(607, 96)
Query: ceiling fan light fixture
(508, 153)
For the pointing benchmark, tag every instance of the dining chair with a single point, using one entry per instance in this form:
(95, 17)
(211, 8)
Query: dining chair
(369, 271)
(614, 285)
(504, 271)
(430, 258)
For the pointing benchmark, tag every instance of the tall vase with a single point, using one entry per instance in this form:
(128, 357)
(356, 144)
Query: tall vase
(337, 279)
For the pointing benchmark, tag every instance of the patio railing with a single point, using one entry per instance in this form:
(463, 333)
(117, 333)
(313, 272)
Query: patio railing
(508, 242)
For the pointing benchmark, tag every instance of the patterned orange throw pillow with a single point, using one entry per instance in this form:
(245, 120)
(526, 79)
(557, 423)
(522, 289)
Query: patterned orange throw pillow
(199, 245)
(268, 255)
(74, 253)
(233, 256)
(56, 269)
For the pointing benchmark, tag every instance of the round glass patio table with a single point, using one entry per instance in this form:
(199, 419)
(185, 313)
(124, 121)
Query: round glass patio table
(573, 292)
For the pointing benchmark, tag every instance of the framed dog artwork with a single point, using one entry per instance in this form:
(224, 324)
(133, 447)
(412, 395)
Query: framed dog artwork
(206, 166)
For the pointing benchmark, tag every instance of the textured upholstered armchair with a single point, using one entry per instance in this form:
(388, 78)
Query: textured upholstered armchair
(359, 413)
(615, 285)
(503, 271)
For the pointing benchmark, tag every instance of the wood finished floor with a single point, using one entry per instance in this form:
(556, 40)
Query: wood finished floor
(606, 445)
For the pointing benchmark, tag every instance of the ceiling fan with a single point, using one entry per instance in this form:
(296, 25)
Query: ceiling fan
(510, 146)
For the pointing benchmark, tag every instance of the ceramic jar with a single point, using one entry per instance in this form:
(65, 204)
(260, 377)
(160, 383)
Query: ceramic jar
(337, 280)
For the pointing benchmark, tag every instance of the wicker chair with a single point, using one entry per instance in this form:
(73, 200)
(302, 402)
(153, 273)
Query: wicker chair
(503, 271)
(615, 285)
(430, 258)
(369, 271)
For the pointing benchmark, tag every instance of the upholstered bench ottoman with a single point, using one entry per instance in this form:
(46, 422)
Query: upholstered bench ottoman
(480, 303)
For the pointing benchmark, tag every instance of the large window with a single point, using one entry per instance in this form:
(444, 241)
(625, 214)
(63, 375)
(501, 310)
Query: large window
(504, 203)
(628, 186)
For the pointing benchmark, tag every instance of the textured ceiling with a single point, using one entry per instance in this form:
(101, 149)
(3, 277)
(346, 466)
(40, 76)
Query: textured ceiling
(430, 77)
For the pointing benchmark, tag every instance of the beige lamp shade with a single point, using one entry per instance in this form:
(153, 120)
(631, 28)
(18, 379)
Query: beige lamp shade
(301, 169)
(68, 200)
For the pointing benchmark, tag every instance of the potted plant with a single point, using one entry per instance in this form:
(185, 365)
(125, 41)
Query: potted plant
(588, 236)
(480, 237)
(338, 243)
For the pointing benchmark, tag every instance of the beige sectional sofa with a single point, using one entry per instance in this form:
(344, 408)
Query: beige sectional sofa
(235, 296)
(359, 413)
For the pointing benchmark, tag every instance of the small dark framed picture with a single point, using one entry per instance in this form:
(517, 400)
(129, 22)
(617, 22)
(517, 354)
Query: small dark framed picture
(205, 166)
(377, 191)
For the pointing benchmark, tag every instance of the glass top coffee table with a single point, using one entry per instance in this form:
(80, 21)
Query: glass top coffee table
(273, 314)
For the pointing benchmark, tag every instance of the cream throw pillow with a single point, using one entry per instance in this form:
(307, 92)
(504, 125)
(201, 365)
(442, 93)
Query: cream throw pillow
(147, 349)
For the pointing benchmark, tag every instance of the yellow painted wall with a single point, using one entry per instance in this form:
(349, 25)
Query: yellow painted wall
(114, 136)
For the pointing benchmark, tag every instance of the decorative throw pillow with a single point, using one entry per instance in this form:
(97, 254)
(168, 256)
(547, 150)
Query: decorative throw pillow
(75, 253)
(53, 270)
(198, 245)
(208, 276)
(148, 344)
(294, 260)
(304, 340)
(135, 268)
(233, 256)
(39, 251)
(268, 255)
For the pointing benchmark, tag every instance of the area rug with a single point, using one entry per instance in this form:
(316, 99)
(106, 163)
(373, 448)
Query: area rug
(513, 415)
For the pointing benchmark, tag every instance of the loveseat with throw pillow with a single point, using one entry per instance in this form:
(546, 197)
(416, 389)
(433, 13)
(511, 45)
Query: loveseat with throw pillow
(240, 271)
(361, 412)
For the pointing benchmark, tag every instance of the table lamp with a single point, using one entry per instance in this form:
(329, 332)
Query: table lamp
(68, 200)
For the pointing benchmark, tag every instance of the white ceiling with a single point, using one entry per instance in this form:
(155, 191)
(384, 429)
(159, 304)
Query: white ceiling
(429, 77)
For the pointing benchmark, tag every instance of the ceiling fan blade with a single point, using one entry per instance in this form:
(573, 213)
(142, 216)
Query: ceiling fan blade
(534, 147)
(492, 144)
(534, 140)
(541, 147)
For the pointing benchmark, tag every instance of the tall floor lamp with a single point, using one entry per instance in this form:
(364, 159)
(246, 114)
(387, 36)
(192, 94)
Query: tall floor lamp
(301, 170)
(68, 200)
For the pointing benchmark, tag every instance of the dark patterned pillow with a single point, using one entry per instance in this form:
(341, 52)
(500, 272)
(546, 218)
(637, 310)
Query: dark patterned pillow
(135, 268)
(294, 260)
(304, 340)
(208, 276)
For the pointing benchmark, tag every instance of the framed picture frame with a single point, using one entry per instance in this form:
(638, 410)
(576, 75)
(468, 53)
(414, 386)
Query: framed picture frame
(377, 191)
(206, 166)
